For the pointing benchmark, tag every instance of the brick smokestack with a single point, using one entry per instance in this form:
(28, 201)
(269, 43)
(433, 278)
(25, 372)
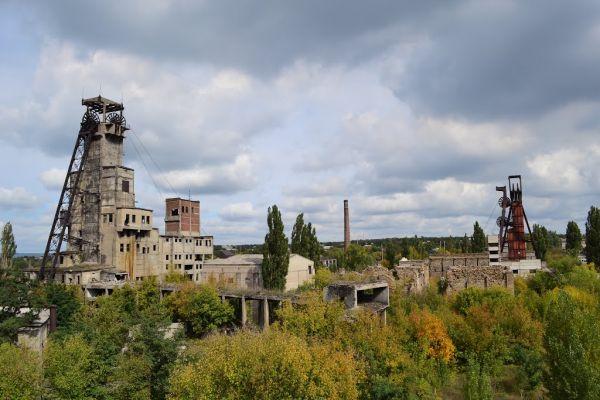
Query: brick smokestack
(346, 226)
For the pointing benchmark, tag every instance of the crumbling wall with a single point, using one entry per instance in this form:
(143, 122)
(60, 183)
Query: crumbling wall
(413, 276)
(438, 265)
(484, 277)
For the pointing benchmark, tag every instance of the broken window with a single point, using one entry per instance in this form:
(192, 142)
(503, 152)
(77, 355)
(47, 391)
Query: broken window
(133, 218)
(126, 219)
(125, 186)
(148, 220)
(143, 219)
(153, 247)
(174, 212)
(167, 257)
(121, 247)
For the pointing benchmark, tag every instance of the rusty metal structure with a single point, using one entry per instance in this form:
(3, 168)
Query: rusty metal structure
(512, 224)
(79, 201)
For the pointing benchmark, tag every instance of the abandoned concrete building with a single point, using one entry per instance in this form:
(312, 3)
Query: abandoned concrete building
(108, 236)
(244, 271)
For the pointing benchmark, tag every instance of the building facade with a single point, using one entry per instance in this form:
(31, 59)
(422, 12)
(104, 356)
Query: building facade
(110, 237)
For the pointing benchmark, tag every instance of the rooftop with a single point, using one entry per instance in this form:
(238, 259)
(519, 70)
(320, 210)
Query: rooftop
(98, 103)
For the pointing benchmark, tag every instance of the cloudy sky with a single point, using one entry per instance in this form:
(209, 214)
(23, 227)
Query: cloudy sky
(414, 111)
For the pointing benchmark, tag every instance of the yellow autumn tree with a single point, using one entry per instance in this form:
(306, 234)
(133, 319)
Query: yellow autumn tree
(274, 365)
(432, 334)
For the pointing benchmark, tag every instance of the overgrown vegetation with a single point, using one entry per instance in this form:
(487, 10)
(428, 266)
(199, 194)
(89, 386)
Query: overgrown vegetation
(543, 341)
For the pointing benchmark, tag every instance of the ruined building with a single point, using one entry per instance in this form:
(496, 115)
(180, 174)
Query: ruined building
(108, 237)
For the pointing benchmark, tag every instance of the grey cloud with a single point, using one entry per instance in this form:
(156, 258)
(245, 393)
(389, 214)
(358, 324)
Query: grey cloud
(489, 60)
(257, 36)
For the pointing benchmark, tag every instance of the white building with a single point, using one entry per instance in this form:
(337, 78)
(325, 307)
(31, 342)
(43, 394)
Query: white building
(244, 271)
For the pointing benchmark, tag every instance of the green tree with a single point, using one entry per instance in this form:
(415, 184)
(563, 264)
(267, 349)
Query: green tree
(572, 342)
(70, 368)
(479, 242)
(465, 244)
(9, 248)
(592, 236)
(297, 235)
(276, 257)
(142, 369)
(574, 238)
(357, 258)
(65, 298)
(540, 238)
(199, 308)
(390, 251)
(20, 374)
(274, 365)
(16, 295)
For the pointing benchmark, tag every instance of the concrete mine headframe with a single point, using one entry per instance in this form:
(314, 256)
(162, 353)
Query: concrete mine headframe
(77, 216)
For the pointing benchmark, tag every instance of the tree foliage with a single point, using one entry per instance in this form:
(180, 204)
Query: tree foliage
(305, 241)
(573, 238)
(17, 301)
(8, 246)
(479, 242)
(275, 365)
(540, 238)
(199, 308)
(276, 257)
(572, 342)
(20, 373)
(592, 236)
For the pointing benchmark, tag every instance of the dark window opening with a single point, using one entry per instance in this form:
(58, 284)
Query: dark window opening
(125, 186)
(174, 212)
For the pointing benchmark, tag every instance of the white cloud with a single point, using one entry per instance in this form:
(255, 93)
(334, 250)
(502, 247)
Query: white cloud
(53, 178)
(238, 212)
(16, 198)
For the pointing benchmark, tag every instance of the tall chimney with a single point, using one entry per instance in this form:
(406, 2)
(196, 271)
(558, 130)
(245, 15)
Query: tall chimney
(346, 226)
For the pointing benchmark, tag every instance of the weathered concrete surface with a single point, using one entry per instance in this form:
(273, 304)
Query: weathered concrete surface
(459, 278)
(438, 265)
(413, 277)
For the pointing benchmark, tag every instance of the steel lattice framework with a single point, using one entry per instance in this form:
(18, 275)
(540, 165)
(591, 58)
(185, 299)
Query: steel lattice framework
(60, 226)
(512, 227)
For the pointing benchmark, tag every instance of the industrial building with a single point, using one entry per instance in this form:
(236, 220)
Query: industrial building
(244, 271)
(108, 237)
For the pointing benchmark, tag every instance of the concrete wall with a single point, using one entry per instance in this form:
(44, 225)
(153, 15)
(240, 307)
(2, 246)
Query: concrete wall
(438, 265)
(459, 278)
(413, 276)
(300, 270)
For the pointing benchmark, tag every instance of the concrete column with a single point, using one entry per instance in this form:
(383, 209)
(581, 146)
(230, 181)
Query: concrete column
(265, 314)
(243, 310)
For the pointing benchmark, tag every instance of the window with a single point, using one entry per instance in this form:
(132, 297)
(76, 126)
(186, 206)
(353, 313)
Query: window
(197, 244)
(153, 247)
(133, 218)
(110, 218)
(148, 220)
(121, 247)
(167, 257)
(143, 219)
(310, 269)
(104, 218)
(174, 212)
(128, 247)
(125, 186)
(126, 219)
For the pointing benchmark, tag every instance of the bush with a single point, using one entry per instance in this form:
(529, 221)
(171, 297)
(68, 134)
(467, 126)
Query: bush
(20, 373)
(275, 365)
(200, 308)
